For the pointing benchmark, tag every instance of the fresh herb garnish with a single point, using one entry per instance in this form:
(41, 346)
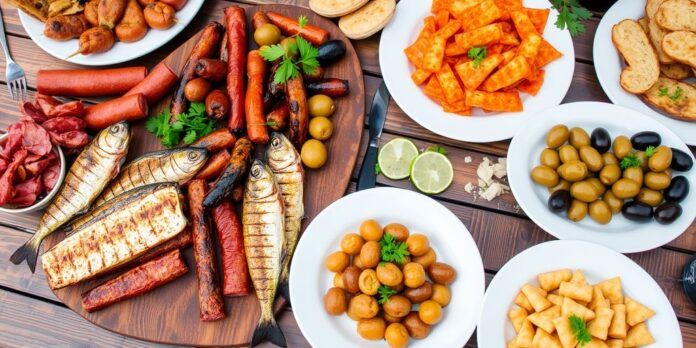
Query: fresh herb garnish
(437, 148)
(385, 293)
(630, 161)
(649, 151)
(579, 329)
(290, 67)
(378, 169)
(570, 15)
(677, 94)
(188, 126)
(664, 92)
(393, 250)
(477, 54)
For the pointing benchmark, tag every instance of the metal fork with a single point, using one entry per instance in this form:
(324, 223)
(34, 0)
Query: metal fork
(14, 74)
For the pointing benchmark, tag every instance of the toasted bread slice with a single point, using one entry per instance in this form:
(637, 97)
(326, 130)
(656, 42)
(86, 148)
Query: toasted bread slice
(643, 24)
(681, 46)
(35, 8)
(368, 20)
(335, 8)
(677, 71)
(655, 32)
(677, 15)
(643, 68)
(665, 96)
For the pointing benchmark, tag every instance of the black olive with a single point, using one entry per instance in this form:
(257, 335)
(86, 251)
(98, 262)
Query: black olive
(681, 160)
(637, 211)
(559, 201)
(677, 190)
(330, 51)
(668, 212)
(642, 140)
(600, 140)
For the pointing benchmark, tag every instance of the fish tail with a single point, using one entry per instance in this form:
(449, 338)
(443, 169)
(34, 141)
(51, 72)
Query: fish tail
(283, 284)
(29, 251)
(268, 330)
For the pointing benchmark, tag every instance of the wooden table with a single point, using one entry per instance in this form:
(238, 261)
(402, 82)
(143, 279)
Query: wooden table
(30, 315)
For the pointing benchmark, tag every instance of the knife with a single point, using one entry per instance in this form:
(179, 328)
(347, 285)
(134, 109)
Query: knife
(378, 115)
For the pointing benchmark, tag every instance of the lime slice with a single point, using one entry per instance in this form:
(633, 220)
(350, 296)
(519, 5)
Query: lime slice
(431, 172)
(395, 158)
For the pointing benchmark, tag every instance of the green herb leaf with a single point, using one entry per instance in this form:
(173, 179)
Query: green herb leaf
(570, 15)
(477, 54)
(378, 169)
(437, 148)
(302, 21)
(290, 68)
(308, 55)
(192, 125)
(385, 293)
(663, 91)
(286, 70)
(677, 94)
(272, 53)
(649, 151)
(579, 329)
(630, 161)
(393, 250)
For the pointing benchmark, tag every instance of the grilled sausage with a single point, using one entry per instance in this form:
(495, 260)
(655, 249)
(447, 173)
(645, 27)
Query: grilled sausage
(253, 102)
(157, 84)
(217, 106)
(215, 165)
(129, 108)
(331, 87)
(290, 27)
(258, 19)
(181, 241)
(235, 18)
(211, 306)
(235, 276)
(89, 82)
(136, 281)
(216, 141)
(277, 118)
(298, 122)
(235, 170)
(213, 70)
(63, 28)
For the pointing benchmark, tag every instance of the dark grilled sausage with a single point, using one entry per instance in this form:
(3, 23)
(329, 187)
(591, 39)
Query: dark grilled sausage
(216, 141)
(215, 165)
(235, 18)
(277, 118)
(63, 28)
(259, 19)
(332, 87)
(213, 70)
(298, 122)
(235, 170)
(217, 105)
(235, 275)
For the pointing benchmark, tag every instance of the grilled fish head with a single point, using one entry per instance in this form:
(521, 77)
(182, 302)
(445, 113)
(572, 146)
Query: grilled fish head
(190, 159)
(261, 182)
(281, 154)
(114, 139)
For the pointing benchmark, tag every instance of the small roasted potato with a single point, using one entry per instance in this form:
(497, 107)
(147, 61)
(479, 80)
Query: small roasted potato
(351, 243)
(389, 274)
(197, 89)
(399, 231)
(390, 319)
(442, 273)
(557, 136)
(338, 281)
(335, 301)
(418, 244)
(396, 335)
(430, 312)
(368, 282)
(132, 26)
(441, 294)
(363, 306)
(351, 279)
(372, 329)
(419, 294)
(370, 230)
(414, 274)
(159, 15)
(416, 328)
(370, 254)
(397, 306)
(337, 261)
(426, 259)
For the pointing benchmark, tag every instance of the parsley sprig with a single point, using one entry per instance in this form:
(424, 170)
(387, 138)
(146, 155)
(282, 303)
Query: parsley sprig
(570, 15)
(630, 160)
(650, 151)
(664, 92)
(477, 54)
(437, 148)
(188, 126)
(290, 67)
(385, 293)
(393, 250)
(579, 329)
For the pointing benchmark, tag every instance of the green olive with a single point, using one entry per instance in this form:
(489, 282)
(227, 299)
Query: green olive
(568, 153)
(657, 181)
(562, 185)
(609, 158)
(622, 146)
(545, 176)
(573, 171)
(578, 137)
(267, 34)
(320, 128)
(650, 197)
(625, 188)
(321, 106)
(609, 174)
(643, 158)
(550, 158)
(599, 187)
(661, 159)
(577, 210)
(592, 158)
(287, 43)
(557, 136)
(584, 191)
(615, 204)
(635, 174)
(600, 212)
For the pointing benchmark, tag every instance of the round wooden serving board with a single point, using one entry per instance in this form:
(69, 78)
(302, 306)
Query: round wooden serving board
(170, 314)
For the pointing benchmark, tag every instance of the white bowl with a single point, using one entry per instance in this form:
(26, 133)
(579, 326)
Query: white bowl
(42, 203)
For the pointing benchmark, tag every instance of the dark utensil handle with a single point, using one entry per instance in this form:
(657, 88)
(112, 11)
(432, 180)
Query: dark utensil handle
(368, 176)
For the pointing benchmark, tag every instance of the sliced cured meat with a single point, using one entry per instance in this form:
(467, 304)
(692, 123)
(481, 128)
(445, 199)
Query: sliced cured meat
(27, 192)
(30, 110)
(62, 124)
(7, 178)
(71, 139)
(3, 165)
(74, 109)
(37, 167)
(50, 176)
(35, 139)
(45, 102)
(14, 140)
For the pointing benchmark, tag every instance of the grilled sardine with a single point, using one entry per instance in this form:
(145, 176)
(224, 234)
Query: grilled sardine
(136, 225)
(286, 165)
(263, 217)
(176, 165)
(97, 164)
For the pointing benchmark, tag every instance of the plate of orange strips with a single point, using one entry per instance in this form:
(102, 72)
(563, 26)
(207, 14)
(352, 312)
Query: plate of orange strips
(475, 70)
(566, 294)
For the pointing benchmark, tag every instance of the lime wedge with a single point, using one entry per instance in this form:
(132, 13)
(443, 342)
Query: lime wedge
(431, 172)
(395, 158)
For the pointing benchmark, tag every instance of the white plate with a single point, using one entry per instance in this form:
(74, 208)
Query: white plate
(620, 234)
(403, 30)
(121, 52)
(597, 263)
(609, 65)
(309, 279)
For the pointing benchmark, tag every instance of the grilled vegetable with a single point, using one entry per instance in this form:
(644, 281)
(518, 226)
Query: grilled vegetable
(263, 216)
(175, 165)
(236, 168)
(96, 165)
(110, 239)
(286, 166)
